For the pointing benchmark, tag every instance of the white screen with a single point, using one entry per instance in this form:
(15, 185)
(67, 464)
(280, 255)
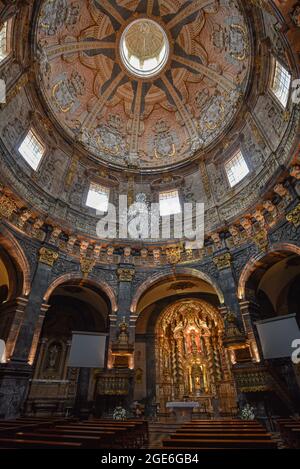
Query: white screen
(87, 350)
(277, 334)
(2, 351)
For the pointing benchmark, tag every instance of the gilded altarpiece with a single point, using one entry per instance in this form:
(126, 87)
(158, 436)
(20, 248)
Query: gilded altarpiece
(192, 363)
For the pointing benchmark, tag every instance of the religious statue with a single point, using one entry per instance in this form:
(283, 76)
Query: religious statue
(123, 337)
(194, 347)
(197, 380)
(53, 354)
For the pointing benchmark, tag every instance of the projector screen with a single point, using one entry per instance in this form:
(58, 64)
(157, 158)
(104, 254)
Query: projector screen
(87, 350)
(277, 334)
(2, 351)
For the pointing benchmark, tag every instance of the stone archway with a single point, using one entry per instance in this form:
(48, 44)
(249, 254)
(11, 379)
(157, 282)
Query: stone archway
(15, 252)
(15, 285)
(73, 304)
(180, 272)
(191, 362)
(255, 262)
(74, 276)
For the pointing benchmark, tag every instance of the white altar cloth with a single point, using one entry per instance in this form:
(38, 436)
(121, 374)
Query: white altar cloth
(185, 404)
(182, 410)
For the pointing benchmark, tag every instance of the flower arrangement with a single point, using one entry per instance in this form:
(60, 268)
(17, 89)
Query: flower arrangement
(247, 413)
(119, 413)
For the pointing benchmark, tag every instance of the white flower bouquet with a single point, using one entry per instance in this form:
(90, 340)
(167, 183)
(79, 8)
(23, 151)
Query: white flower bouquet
(119, 413)
(247, 413)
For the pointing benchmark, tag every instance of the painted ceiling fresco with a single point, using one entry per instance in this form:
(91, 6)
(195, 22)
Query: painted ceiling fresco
(147, 122)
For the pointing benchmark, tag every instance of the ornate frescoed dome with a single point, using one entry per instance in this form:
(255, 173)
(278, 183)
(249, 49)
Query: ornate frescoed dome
(148, 84)
(148, 99)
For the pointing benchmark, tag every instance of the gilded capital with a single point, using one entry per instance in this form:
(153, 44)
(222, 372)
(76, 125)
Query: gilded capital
(173, 255)
(261, 240)
(47, 256)
(223, 262)
(87, 265)
(7, 206)
(125, 275)
(294, 216)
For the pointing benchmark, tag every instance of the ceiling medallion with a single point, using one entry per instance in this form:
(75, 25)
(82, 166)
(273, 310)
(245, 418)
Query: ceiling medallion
(144, 48)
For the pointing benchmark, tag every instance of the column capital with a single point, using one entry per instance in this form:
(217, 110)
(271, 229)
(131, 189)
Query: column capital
(294, 216)
(7, 206)
(261, 240)
(125, 274)
(48, 256)
(86, 265)
(223, 261)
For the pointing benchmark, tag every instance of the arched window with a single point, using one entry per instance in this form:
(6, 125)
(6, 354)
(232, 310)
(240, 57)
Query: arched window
(169, 203)
(5, 35)
(281, 82)
(32, 149)
(98, 197)
(236, 169)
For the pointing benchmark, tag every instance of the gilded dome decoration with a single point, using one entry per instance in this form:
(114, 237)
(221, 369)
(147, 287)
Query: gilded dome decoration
(173, 73)
(144, 48)
(137, 98)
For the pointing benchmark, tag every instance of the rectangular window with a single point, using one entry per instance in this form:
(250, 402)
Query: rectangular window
(169, 203)
(98, 197)
(32, 150)
(281, 83)
(4, 49)
(236, 169)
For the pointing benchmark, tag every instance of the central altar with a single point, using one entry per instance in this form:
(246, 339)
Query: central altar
(192, 367)
(182, 410)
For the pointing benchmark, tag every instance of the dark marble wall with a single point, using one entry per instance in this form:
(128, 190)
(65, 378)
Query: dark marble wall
(15, 374)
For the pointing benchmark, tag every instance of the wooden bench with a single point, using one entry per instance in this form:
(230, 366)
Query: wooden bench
(227, 431)
(37, 432)
(218, 436)
(219, 443)
(290, 431)
(141, 425)
(111, 439)
(87, 441)
(124, 436)
(42, 444)
(233, 427)
(129, 433)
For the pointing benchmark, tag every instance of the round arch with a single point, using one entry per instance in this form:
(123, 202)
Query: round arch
(169, 275)
(254, 262)
(9, 243)
(75, 276)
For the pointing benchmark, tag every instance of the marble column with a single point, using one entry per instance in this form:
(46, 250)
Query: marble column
(11, 316)
(37, 332)
(151, 370)
(15, 374)
(250, 314)
(125, 276)
(227, 281)
(81, 405)
(40, 358)
(39, 286)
